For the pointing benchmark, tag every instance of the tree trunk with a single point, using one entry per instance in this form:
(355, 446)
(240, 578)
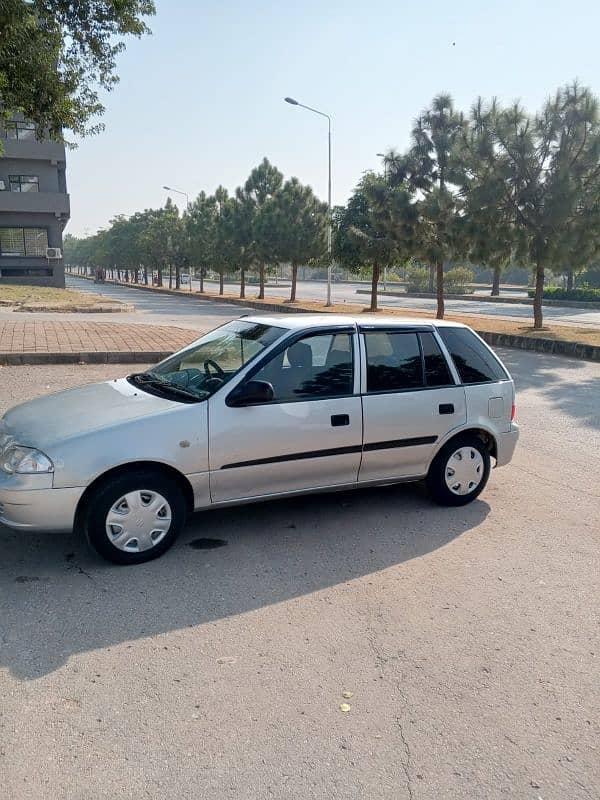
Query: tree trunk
(242, 282)
(145, 275)
(440, 289)
(294, 280)
(178, 276)
(570, 280)
(538, 314)
(159, 280)
(431, 276)
(201, 280)
(261, 282)
(170, 275)
(221, 281)
(496, 282)
(374, 284)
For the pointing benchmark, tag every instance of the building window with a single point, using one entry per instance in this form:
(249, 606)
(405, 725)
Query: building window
(23, 242)
(19, 130)
(24, 183)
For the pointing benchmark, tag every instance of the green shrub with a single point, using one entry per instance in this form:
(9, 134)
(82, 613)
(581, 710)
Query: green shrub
(585, 294)
(457, 280)
(417, 279)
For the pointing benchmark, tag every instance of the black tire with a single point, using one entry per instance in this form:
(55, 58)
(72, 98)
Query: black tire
(436, 478)
(107, 494)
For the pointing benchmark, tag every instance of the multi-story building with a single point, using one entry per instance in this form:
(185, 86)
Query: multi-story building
(34, 206)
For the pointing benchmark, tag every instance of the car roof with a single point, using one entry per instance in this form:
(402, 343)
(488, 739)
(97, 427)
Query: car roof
(301, 321)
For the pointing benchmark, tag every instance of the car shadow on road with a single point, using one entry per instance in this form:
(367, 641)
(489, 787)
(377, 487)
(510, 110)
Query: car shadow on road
(59, 599)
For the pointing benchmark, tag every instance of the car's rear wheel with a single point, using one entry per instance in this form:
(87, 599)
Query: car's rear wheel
(129, 519)
(459, 472)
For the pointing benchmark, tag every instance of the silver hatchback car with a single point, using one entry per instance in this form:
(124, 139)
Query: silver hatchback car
(262, 407)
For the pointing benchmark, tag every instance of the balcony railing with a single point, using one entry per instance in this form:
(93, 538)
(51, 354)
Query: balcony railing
(35, 203)
(31, 148)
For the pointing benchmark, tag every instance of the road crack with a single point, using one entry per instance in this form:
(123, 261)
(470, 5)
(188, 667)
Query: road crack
(406, 761)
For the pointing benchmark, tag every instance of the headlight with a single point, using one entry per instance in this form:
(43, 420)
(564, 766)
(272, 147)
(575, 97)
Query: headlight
(25, 460)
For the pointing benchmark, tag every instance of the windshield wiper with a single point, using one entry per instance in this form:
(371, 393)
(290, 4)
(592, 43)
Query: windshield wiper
(157, 382)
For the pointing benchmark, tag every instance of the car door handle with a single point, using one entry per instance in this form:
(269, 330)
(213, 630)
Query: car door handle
(446, 408)
(340, 419)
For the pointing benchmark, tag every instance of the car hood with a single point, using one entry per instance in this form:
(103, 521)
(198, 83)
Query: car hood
(54, 418)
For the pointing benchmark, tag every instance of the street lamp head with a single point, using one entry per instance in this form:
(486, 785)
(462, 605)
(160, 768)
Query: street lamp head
(291, 101)
(168, 188)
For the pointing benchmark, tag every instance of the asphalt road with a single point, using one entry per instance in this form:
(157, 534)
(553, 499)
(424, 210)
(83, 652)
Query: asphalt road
(346, 293)
(468, 637)
(191, 312)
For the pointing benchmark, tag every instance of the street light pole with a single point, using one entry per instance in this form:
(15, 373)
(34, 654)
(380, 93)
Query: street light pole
(187, 207)
(293, 102)
(385, 177)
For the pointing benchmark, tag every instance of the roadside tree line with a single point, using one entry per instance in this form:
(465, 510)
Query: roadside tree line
(496, 186)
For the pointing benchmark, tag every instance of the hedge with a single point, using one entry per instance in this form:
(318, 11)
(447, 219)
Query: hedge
(557, 293)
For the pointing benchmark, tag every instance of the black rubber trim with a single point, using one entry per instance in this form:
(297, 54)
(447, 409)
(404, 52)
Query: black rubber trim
(334, 451)
(393, 443)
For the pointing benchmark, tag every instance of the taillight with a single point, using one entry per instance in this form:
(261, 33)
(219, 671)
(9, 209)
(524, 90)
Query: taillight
(513, 412)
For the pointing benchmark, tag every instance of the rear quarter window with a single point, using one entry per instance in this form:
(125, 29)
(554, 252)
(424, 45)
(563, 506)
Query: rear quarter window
(472, 359)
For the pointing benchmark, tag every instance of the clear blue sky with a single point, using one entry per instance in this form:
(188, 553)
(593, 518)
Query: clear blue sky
(200, 102)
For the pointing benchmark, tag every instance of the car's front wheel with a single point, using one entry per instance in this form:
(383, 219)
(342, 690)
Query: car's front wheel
(459, 472)
(129, 519)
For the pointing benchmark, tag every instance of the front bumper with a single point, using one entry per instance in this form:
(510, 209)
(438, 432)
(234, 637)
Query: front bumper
(505, 444)
(39, 510)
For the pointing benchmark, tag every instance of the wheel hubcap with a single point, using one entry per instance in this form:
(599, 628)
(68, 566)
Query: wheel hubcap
(138, 521)
(464, 470)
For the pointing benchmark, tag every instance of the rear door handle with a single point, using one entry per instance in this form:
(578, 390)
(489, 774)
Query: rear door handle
(446, 408)
(340, 419)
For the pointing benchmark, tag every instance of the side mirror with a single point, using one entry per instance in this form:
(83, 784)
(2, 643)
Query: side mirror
(250, 393)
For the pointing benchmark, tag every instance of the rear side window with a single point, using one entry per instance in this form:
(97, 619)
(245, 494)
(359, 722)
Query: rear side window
(473, 361)
(393, 361)
(437, 372)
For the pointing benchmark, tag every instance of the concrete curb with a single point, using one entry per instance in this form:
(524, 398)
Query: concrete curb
(527, 301)
(99, 309)
(579, 350)
(90, 357)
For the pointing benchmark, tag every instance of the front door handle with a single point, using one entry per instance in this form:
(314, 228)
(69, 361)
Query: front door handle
(446, 408)
(340, 419)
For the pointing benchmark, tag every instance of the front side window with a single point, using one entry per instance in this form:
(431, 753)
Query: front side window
(23, 242)
(24, 183)
(393, 361)
(197, 372)
(315, 367)
(473, 361)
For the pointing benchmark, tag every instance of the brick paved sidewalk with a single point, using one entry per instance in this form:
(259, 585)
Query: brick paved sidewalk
(89, 342)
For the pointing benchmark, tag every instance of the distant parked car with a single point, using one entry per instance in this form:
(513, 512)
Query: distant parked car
(261, 407)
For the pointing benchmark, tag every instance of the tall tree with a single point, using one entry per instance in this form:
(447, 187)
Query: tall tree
(264, 181)
(428, 169)
(56, 55)
(542, 175)
(376, 228)
(298, 223)
(158, 235)
(224, 253)
(200, 233)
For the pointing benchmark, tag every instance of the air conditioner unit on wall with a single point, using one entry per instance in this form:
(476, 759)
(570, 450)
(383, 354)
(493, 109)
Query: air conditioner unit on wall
(53, 252)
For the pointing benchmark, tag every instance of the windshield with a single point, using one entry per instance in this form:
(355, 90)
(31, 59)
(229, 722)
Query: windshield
(198, 371)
